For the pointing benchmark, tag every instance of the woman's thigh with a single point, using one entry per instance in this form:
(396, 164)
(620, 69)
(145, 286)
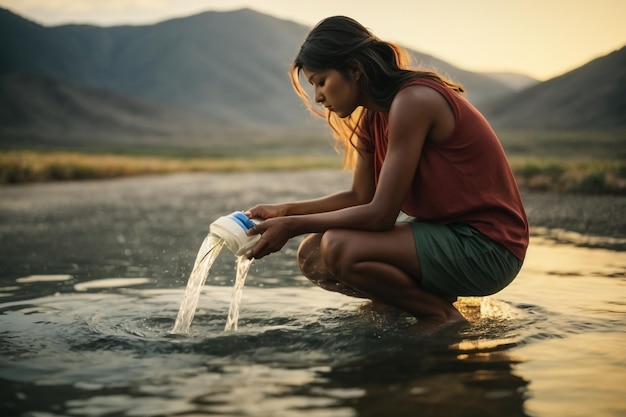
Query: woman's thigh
(345, 247)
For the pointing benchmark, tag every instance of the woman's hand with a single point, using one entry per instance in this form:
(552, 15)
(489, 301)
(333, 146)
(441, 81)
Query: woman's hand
(266, 211)
(275, 232)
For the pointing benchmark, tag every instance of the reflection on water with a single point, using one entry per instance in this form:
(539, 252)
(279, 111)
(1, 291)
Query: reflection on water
(110, 283)
(44, 278)
(85, 326)
(297, 350)
(551, 344)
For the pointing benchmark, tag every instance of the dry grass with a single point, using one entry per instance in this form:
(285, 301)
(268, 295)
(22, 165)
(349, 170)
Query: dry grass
(571, 175)
(17, 167)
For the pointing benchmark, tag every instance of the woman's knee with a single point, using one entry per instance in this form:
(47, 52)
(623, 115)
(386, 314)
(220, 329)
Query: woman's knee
(333, 251)
(308, 254)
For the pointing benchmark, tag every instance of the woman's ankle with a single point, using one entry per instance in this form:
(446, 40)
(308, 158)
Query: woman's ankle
(432, 324)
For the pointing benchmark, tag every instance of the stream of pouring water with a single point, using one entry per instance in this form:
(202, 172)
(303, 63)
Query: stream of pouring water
(209, 250)
(243, 266)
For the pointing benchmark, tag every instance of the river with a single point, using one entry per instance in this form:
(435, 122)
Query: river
(92, 275)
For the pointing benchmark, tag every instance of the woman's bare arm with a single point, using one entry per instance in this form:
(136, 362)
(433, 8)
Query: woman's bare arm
(361, 192)
(415, 113)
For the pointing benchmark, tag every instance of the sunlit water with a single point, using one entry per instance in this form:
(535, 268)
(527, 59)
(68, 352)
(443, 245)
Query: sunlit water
(88, 302)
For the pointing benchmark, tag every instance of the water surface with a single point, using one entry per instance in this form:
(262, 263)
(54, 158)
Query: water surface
(92, 276)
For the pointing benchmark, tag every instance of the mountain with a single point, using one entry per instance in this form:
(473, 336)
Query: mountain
(480, 88)
(590, 97)
(514, 80)
(199, 80)
(39, 110)
(231, 66)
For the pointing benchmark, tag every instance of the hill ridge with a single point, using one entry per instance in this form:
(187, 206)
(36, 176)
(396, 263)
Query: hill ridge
(592, 96)
(212, 72)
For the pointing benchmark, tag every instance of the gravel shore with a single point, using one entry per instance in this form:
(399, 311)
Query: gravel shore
(599, 219)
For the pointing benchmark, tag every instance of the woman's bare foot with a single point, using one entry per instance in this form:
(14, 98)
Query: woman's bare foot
(424, 325)
(379, 307)
(431, 325)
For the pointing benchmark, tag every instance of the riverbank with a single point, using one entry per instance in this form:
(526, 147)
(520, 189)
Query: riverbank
(595, 220)
(21, 167)
(579, 219)
(538, 174)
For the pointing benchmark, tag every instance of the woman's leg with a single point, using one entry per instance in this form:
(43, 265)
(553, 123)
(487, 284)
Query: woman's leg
(312, 266)
(384, 266)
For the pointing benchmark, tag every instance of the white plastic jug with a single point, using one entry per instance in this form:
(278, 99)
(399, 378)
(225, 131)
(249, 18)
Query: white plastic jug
(232, 229)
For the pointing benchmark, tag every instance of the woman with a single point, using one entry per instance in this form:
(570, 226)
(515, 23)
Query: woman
(417, 147)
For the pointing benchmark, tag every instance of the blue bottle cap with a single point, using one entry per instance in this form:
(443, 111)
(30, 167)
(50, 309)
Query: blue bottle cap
(242, 220)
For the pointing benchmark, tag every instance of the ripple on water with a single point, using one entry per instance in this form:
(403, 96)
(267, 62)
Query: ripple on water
(44, 278)
(110, 283)
(107, 318)
(300, 343)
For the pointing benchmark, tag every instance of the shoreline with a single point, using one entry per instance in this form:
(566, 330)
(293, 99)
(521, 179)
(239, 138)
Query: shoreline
(586, 176)
(579, 218)
(583, 220)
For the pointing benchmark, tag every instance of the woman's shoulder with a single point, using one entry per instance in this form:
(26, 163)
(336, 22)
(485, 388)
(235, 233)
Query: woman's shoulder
(429, 88)
(418, 96)
(420, 106)
(417, 92)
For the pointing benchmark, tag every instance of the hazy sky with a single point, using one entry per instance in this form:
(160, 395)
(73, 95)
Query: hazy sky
(541, 38)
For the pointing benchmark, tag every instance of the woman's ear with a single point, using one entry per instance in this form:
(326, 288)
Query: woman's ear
(354, 70)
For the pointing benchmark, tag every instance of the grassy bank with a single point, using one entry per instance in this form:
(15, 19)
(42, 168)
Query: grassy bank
(571, 175)
(596, 144)
(18, 167)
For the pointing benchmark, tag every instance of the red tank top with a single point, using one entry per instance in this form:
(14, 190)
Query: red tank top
(467, 179)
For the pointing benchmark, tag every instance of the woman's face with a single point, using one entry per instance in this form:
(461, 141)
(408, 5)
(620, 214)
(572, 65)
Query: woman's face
(334, 91)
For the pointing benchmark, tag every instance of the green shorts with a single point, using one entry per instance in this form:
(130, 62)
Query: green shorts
(458, 260)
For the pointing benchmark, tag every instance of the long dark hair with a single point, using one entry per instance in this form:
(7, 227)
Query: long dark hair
(342, 44)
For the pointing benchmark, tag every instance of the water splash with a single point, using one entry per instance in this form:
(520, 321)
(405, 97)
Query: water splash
(243, 266)
(210, 248)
